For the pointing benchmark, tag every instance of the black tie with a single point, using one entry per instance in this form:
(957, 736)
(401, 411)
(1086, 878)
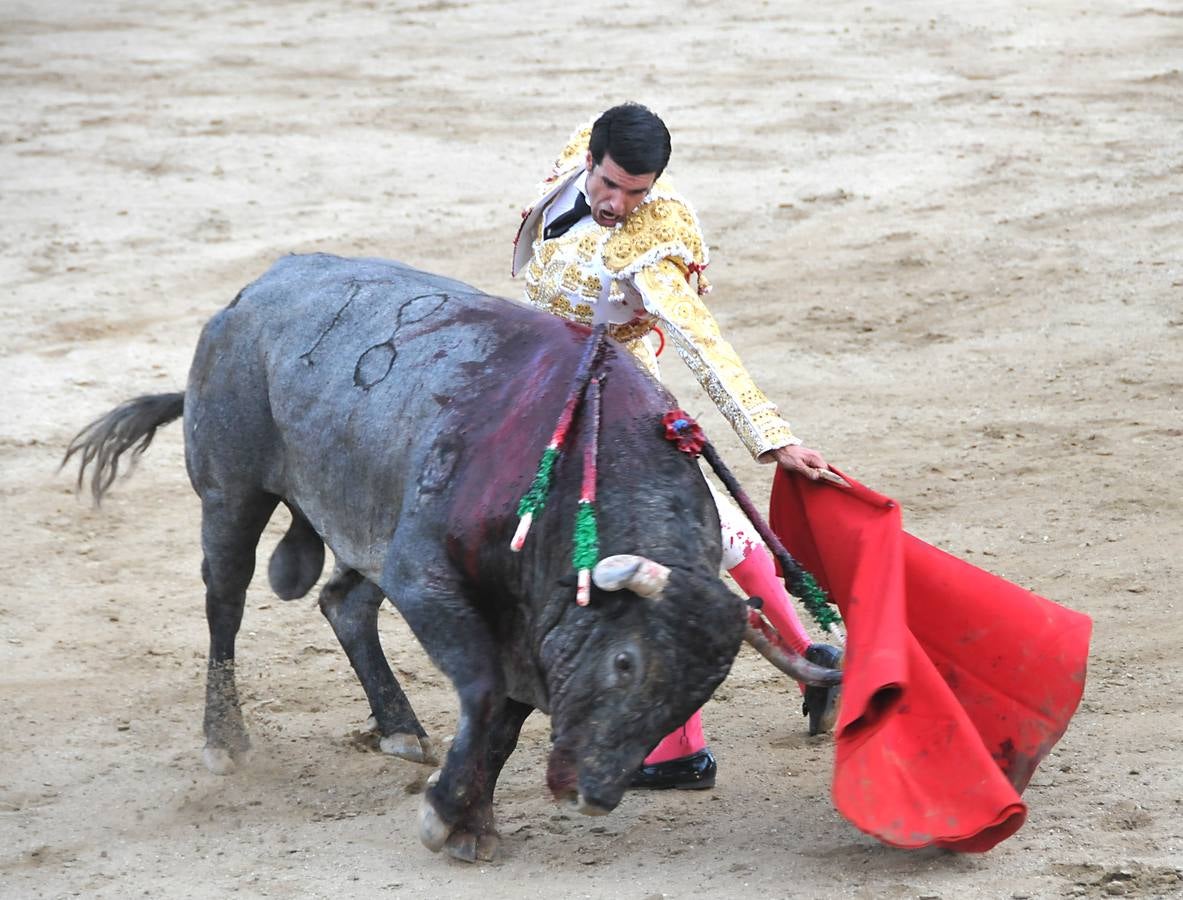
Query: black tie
(559, 226)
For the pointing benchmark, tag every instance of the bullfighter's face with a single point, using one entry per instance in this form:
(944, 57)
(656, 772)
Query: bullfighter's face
(613, 193)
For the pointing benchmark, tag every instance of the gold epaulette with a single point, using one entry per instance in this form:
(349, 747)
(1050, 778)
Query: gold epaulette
(663, 227)
(571, 158)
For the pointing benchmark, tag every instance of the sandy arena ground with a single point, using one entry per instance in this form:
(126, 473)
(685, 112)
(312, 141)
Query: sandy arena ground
(948, 239)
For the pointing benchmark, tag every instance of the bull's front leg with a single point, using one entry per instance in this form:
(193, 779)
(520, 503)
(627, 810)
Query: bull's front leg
(476, 838)
(457, 811)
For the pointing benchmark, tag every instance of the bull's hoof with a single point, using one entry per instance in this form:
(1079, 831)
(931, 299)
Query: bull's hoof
(410, 747)
(219, 760)
(433, 830)
(466, 841)
(589, 807)
(469, 847)
(487, 846)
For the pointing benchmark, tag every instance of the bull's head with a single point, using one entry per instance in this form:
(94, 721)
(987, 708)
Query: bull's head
(652, 647)
(647, 578)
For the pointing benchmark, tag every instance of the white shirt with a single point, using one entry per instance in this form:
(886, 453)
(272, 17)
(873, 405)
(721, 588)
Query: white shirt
(564, 201)
(620, 301)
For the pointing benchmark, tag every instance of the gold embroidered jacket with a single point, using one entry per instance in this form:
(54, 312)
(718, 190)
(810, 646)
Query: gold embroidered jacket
(638, 275)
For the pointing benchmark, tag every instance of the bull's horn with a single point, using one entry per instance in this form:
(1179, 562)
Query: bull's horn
(628, 572)
(792, 664)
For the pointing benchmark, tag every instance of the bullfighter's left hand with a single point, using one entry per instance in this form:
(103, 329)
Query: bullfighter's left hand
(801, 460)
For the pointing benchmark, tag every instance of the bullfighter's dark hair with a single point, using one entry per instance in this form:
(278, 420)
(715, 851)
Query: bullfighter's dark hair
(635, 138)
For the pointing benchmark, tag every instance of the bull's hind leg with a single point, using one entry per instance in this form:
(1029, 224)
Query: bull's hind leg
(351, 603)
(230, 530)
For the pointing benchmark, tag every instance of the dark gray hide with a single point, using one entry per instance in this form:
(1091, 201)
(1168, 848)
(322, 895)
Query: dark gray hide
(400, 417)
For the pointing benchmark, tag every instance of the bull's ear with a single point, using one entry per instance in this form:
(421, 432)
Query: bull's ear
(625, 571)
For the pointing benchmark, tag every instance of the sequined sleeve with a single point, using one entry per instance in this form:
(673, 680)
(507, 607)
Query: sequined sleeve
(714, 363)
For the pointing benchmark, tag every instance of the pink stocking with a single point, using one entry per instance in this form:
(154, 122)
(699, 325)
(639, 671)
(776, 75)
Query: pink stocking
(684, 741)
(756, 577)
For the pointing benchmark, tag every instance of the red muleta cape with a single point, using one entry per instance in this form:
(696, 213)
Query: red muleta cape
(957, 683)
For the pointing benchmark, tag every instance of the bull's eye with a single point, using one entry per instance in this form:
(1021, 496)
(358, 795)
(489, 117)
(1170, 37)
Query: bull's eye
(621, 667)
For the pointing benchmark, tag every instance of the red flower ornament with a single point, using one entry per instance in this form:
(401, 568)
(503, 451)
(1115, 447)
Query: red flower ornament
(683, 431)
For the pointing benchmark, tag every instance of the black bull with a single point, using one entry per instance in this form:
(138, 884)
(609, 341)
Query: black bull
(399, 416)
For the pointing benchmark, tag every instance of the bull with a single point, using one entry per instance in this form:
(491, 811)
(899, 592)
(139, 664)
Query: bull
(398, 416)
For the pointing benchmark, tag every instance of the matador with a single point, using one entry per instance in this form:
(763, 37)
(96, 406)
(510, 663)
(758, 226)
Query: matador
(609, 240)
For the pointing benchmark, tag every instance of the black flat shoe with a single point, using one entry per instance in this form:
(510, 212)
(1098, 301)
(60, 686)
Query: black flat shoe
(695, 772)
(821, 703)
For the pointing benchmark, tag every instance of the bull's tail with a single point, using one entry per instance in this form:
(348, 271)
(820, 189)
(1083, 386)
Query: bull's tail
(129, 426)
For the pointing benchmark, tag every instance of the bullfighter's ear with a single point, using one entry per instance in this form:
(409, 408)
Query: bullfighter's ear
(625, 571)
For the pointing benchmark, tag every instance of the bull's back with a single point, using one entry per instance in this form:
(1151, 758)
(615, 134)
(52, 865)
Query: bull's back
(342, 384)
